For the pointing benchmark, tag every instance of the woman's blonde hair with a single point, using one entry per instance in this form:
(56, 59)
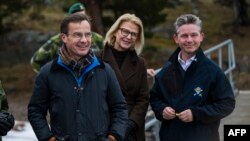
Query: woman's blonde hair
(110, 38)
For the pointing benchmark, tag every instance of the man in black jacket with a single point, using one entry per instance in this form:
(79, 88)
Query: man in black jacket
(80, 92)
(191, 94)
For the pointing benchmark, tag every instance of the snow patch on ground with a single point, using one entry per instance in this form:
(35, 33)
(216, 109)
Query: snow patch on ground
(25, 133)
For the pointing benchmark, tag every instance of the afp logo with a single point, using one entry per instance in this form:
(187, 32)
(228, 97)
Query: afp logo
(236, 132)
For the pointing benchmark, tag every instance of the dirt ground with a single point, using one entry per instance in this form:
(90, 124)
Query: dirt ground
(18, 105)
(18, 88)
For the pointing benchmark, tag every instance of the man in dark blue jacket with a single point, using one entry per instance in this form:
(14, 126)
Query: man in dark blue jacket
(191, 94)
(80, 92)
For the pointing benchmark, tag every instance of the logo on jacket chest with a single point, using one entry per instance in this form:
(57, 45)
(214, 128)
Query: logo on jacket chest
(198, 91)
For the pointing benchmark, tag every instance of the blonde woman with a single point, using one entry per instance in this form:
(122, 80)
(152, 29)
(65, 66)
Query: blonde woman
(122, 44)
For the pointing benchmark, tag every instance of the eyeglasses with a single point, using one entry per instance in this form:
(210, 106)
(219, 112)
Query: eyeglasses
(126, 32)
(78, 35)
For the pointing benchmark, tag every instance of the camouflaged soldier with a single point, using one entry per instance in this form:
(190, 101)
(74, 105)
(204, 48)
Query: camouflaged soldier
(7, 120)
(48, 51)
(3, 100)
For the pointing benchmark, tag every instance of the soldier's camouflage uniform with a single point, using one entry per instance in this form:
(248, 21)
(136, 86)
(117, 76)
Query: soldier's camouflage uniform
(3, 102)
(48, 51)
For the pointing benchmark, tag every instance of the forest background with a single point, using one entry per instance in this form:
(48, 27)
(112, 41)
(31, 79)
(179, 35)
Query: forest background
(25, 25)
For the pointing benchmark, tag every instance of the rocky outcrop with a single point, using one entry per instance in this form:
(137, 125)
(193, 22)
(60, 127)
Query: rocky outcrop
(19, 46)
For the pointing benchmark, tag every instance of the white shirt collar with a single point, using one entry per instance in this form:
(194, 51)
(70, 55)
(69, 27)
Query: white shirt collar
(187, 63)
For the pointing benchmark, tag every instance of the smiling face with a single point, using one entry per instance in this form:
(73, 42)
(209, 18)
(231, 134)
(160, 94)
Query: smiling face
(78, 39)
(188, 38)
(126, 36)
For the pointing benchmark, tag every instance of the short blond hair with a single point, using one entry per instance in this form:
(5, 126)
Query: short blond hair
(187, 19)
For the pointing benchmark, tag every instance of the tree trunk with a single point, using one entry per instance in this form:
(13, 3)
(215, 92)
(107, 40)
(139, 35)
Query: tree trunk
(94, 11)
(240, 12)
(1, 26)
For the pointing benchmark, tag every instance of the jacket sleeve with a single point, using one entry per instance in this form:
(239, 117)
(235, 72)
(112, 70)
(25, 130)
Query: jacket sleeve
(38, 107)
(156, 98)
(222, 101)
(3, 100)
(117, 106)
(139, 111)
(46, 52)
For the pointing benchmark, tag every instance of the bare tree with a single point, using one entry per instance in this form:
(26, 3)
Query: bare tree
(93, 9)
(240, 12)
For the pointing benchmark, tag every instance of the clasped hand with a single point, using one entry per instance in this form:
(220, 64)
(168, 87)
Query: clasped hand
(185, 116)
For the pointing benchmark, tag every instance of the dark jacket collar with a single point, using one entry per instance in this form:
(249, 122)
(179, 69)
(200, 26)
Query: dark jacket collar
(174, 57)
(107, 54)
